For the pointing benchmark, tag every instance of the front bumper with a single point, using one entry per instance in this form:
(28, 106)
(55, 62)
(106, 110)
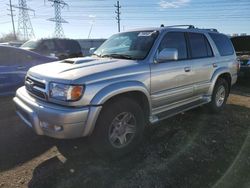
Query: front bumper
(54, 120)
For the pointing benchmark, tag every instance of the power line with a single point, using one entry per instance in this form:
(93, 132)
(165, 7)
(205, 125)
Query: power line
(58, 5)
(25, 29)
(150, 5)
(5, 22)
(118, 14)
(217, 12)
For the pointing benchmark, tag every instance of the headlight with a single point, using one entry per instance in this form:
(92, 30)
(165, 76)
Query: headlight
(65, 92)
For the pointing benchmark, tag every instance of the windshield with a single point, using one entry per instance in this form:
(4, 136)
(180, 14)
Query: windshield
(31, 44)
(129, 45)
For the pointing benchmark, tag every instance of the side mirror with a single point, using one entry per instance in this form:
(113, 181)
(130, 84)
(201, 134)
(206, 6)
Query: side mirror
(167, 54)
(92, 50)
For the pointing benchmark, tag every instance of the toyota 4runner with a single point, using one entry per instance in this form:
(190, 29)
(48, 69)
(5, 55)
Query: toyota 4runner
(135, 78)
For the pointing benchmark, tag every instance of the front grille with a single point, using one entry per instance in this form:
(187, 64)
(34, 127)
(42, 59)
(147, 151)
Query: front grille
(35, 87)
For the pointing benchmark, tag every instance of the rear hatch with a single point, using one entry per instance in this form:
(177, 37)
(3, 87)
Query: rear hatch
(242, 47)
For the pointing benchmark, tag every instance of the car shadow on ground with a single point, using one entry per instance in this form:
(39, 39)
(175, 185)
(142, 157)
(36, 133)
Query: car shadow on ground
(18, 143)
(195, 149)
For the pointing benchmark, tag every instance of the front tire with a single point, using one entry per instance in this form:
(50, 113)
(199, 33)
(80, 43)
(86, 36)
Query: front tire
(119, 128)
(219, 96)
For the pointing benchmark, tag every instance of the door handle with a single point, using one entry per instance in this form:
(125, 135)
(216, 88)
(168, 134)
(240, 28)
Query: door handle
(187, 69)
(215, 65)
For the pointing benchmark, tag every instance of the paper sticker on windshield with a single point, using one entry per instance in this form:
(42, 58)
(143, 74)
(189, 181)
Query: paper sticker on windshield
(145, 34)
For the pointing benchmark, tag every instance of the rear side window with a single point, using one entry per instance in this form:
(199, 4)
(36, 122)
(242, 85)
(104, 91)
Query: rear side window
(175, 40)
(60, 44)
(48, 44)
(223, 44)
(69, 46)
(199, 45)
(73, 46)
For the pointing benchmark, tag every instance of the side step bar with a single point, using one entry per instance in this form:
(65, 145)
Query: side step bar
(164, 115)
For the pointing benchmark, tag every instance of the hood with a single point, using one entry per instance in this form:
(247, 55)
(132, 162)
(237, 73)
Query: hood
(76, 68)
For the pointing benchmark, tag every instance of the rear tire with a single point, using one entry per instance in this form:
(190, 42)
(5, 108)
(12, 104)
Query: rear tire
(119, 128)
(219, 96)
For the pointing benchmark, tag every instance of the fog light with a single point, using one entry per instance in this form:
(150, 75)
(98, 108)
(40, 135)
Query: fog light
(47, 126)
(58, 128)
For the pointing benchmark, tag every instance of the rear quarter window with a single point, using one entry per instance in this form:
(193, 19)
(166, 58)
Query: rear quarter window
(223, 44)
(72, 46)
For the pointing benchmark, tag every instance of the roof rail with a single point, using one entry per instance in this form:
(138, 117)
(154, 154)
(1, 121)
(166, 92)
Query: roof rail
(211, 29)
(188, 26)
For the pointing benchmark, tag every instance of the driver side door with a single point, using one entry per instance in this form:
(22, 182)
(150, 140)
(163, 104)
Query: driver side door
(171, 82)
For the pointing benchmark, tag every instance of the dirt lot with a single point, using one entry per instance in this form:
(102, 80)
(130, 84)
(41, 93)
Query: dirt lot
(195, 149)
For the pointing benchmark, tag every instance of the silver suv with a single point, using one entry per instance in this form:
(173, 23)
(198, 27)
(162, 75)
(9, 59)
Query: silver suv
(135, 78)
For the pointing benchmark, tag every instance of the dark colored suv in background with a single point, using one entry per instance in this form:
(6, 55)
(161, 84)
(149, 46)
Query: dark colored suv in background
(242, 47)
(61, 48)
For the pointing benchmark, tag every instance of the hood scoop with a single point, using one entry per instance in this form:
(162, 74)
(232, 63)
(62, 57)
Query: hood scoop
(68, 61)
(78, 60)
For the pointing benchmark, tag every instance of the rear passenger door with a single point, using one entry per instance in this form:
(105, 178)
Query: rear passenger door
(201, 62)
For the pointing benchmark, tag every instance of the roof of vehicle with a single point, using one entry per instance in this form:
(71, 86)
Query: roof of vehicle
(23, 50)
(53, 39)
(178, 28)
(241, 36)
(7, 46)
(11, 42)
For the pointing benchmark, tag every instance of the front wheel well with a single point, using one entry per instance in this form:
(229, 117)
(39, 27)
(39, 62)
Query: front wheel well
(138, 97)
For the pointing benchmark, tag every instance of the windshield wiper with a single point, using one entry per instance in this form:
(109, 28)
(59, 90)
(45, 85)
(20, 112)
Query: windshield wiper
(122, 56)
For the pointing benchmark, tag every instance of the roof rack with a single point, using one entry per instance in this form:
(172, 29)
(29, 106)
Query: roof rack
(188, 26)
(211, 29)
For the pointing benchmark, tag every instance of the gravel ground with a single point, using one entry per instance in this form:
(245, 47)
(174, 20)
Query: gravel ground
(194, 149)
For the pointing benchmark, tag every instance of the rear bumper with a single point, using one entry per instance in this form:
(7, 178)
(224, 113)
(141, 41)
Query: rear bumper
(234, 79)
(244, 72)
(54, 120)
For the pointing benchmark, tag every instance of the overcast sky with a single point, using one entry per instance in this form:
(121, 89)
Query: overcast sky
(228, 16)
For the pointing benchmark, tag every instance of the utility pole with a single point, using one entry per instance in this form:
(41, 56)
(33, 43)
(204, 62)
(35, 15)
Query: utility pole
(90, 30)
(118, 14)
(25, 28)
(12, 19)
(58, 5)
(92, 23)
